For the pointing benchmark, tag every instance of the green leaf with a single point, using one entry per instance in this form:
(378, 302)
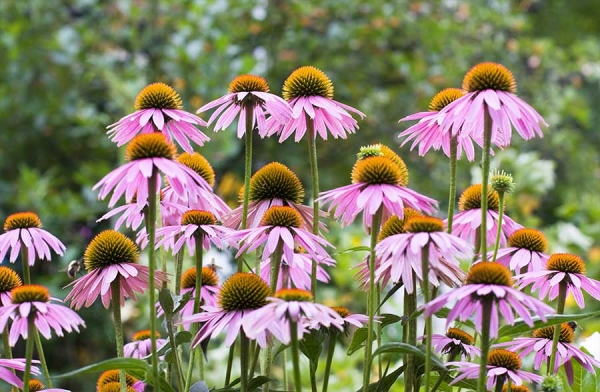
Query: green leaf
(404, 348)
(520, 326)
(591, 382)
(361, 248)
(386, 382)
(166, 302)
(183, 337)
(311, 346)
(280, 349)
(358, 340)
(127, 364)
(391, 292)
(256, 382)
(389, 319)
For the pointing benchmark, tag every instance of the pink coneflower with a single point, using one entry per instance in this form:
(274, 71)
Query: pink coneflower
(502, 365)
(248, 92)
(561, 268)
(428, 133)
(273, 185)
(110, 379)
(541, 344)
(526, 251)
(280, 224)
(241, 294)
(454, 343)
(158, 108)
(32, 300)
(349, 320)
(9, 279)
(110, 256)
(15, 364)
(141, 345)
(148, 154)
(488, 282)
(400, 255)
(290, 305)
(490, 87)
(37, 386)
(379, 180)
(468, 221)
(24, 229)
(310, 94)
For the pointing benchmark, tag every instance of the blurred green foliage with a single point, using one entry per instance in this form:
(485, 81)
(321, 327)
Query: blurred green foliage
(72, 67)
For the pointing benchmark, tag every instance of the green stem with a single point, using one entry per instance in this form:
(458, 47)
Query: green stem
(500, 215)
(198, 295)
(25, 263)
(313, 379)
(329, 360)
(314, 174)
(7, 348)
(485, 173)
(247, 169)
(175, 351)
(486, 315)
(499, 384)
(43, 363)
(371, 299)
(560, 309)
(295, 355)
(379, 329)
(244, 359)
(254, 363)
(229, 364)
(28, 352)
(410, 306)
(428, 321)
(115, 293)
(178, 267)
(151, 230)
(190, 369)
(276, 261)
(452, 192)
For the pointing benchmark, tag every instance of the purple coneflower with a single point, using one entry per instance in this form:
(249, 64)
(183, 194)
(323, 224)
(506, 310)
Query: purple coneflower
(248, 92)
(109, 382)
(8, 366)
(454, 343)
(149, 154)
(32, 300)
(541, 344)
(37, 386)
(349, 320)
(490, 283)
(110, 256)
(141, 345)
(490, 87)
(310, 94)
(379, 179)
(159, 108)
(502, 365)
(23, 229)
(561, 269)
(428, 133)
(273, 185)
(526, 251)
(9, 279)
(468, 221)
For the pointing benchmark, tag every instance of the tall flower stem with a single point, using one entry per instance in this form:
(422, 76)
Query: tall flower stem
(28, 352)
(329, 360)
(428, 321)
(452, 191)
(197, 298)
(244, 361)
(295, 355)
(178, 267)
(247, 171)
(43, 363)
(485, 174)
(410, 306)
(486, 315)
(500, 215)
(560, 309)
(115, 293)
(314, 174)
(229, 364)
(5, 344)
(25, 263)
(151, 230)
(276, 260)
(371, 299)
(174, 348)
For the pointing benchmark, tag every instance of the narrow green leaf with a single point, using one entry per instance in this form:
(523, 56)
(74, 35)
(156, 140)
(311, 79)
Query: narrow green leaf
(311, 346)
(391, 292)
(520, 326)
(256, 382)
(386, 382)
(403, 348)
(358, 340)
(127, 364)
(591, 382)
(166, 301)
(389, 319)
(361, 248)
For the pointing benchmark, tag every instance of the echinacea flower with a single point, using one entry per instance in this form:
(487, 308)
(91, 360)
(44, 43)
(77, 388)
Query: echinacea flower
(490, 88)
(109, 381)
(350, 320)
(310, 95)
(149, 154)
(37, 386)
(502, 366)
(8, 366)
(400, 255)
(247, 92)
(455, 342)
(467, 221)
(240, 294)
(488, 282)
(273, 185)
(290, 305)
(33, 301)
(379, 180)
(9, 279)
(24, 229)
(428, 133)
(526, 251)
(561, 268)
(541, 345)
(159, 108)
(141, 344)
(110, 256)
(280, 224)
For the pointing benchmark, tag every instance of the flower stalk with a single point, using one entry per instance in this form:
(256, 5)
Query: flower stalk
(244, 361)
(25, 263)
(428, 321)
(295, 355)
(560, 309)
(314, 175)
(485, 173)
(43, 363)
(28, 352)
(452, 191)
(115, 288)
(151, 229)
(499, 232)
(247, 170)
(486, 315)
(330, 350)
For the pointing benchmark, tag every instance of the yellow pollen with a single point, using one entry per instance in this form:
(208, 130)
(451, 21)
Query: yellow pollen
(459, 334)
(30, 293)
(275, 181)
(444, 98)
(282, 216)
(36, 386)
(243, 291)
(504, 358)
(109, 247)
(307, 81)
(150, 145)
(515, 388)
(112, 376)
(248, 83)
(209, 278)
(394, 225)
(566, 262)
(114, 386)
(144, 335)
(489, 273)
(9, 279)
(294, 295)
(343, 312)
(200, 165)
(530, 239)
(198, 217)
(424, 224)
(158, 96)
(471, 198)
(22, 220)
(378, 170)
(489, 76)
(566, 333)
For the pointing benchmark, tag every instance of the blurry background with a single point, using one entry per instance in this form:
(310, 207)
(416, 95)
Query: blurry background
(69, 68)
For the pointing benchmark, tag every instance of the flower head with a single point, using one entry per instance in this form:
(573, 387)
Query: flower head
(455, 342)
(561, 268)
(37, 386)
(109, 381)
(248, 93)
(9, 279)
(502, 182)
(159, 109)
(8, 366)
(34, 301)
(108, 257)
(141, 345)
(526, 249)
(24, 229)
(488, 283)
(310, 94)
(350, 320)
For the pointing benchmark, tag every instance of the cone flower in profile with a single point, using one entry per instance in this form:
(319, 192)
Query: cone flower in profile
(9, 279)
(141, 345)
(159, 108)
(525, 251)
(8, 366)
(455, 342)
(37, 386)
(109, 381)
